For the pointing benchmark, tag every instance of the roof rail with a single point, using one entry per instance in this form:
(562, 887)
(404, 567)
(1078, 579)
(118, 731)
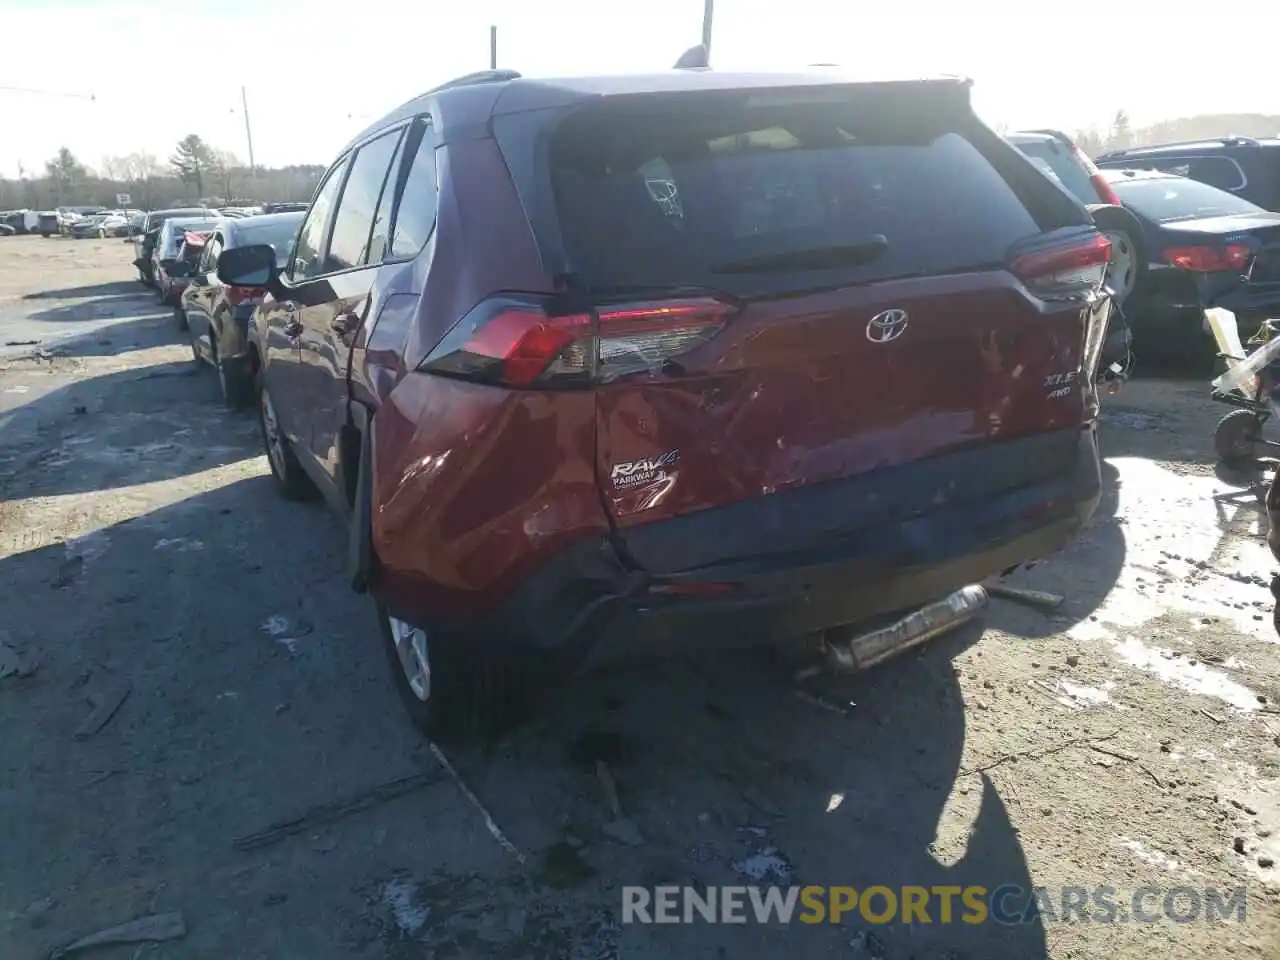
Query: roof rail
(1231, 140)
(480, 76)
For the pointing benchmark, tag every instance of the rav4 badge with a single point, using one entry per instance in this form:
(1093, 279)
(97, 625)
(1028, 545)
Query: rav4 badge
(637, 473)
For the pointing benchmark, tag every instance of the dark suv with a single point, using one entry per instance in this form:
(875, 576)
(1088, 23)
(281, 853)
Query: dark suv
(617, 364)
(1244, 166)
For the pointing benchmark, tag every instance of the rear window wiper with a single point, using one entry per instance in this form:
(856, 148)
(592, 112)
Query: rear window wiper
(812, 258)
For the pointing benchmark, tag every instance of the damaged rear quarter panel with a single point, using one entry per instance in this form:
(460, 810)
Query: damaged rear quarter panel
(474, 487)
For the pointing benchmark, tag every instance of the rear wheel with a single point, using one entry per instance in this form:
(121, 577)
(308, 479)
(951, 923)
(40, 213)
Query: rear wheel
(450, 689)
(1128, 251)
(292, 480)
(1237, 438)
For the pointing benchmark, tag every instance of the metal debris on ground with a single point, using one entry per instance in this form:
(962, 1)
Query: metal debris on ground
(489, 823)
(336, 810)
(620, 827)
(153, 929)
(14, 663)
(1040, 599)
(610, 788)
(822, 702)
(104, 708)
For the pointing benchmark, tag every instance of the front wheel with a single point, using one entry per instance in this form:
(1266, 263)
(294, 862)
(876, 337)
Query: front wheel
(292, 480)
(180, 318)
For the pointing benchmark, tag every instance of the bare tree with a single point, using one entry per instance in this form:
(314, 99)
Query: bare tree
(113, 168)
(142, 168)
(228, 171)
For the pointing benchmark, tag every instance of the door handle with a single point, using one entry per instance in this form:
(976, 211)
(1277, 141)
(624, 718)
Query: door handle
(345, 324)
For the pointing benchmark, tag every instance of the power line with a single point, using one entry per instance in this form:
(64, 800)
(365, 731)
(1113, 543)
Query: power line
(49, 93)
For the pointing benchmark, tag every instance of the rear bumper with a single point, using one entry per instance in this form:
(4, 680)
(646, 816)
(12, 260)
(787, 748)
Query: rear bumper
(587, 606)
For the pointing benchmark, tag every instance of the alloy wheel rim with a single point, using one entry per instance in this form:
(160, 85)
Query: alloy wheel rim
(411, 648)
(270, 427)
(1121, 274)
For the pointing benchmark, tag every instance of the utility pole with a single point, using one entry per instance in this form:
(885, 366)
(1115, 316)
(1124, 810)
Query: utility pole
(493, 48)
(248, 131)
(708, 8)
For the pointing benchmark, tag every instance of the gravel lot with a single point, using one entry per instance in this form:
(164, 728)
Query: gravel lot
(1129, 739)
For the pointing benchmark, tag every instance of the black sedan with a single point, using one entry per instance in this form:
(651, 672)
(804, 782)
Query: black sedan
(1206, 248)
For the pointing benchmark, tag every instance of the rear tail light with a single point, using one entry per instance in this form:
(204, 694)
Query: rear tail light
(1067, 271)
(517, 343)
(238, 295)
(1210, 259)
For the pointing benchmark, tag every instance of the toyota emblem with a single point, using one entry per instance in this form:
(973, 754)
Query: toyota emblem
(886, 327)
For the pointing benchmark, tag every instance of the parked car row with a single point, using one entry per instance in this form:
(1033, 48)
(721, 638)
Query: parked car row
(602, 367)
(1192, 225)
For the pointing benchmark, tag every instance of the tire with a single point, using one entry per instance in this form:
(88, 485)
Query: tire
(291, 479)
(1125, 233)
(469, 694)
(180, 318)
(1237, 439)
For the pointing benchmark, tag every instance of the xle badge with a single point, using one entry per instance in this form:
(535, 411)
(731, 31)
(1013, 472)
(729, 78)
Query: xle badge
(637, 473)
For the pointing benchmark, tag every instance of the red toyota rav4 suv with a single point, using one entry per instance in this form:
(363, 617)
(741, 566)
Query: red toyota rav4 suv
(597, 364)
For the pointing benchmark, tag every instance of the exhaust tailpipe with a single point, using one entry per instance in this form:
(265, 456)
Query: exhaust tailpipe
(853, 653)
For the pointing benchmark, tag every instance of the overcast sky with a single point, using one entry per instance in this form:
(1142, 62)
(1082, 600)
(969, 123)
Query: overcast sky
(318, 71)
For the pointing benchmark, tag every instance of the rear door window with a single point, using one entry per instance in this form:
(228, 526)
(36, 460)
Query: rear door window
(1055, 161)
(352, 224)
(415, 215)
(685, 194)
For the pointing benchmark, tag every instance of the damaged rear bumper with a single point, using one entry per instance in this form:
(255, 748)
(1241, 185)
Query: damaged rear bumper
(591, 608)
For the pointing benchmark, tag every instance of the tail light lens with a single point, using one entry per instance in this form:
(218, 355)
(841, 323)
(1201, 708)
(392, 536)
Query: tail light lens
(238, 295)
(1210, 259)
(517, 343)
(1067, 271)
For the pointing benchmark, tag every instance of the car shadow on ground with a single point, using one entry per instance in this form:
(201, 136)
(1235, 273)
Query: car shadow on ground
(150, 328)
(727, 776)
(114, 288)
(134, 426)
(228, 726)
(257, 695)
(105, 306)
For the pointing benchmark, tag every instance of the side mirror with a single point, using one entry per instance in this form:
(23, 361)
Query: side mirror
(253, 266)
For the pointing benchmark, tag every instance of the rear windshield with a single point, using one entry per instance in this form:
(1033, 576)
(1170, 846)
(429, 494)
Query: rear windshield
(279, 235)
(686, 194)
(1168, 199)
(1055, 161)
(181, 228)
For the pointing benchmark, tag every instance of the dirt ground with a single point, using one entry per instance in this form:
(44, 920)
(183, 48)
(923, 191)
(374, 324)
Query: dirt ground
(1129, 739)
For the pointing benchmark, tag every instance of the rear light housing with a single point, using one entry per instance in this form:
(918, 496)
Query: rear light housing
(1066, 271)
(524, 343)
(238, 295)
(1232, 257)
